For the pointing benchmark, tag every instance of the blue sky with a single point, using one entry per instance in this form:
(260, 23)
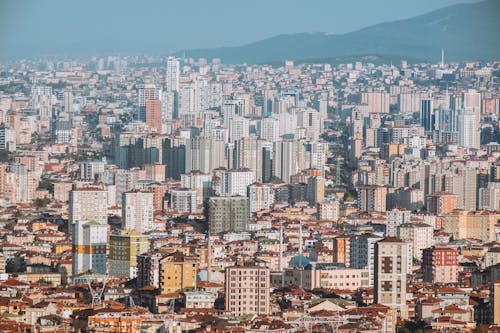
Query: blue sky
(33, 27)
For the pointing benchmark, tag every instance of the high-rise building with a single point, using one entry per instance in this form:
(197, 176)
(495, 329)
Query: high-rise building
(472, 101)
(124, 248)
(372, 198)
(471, 224)
(315, 190)
(419, 235)
(248, 153)
(427, 115)
(489, 197)
(260, 196)
(235, 182)
(468, 129)
(362, 252)
(7, 138)
(395, 218)
(310, 120)
(24, 182)
(90, 169)
(200, 182)
(377, 102)
(184, 200)
(137, 211)
(288, 159)
(329, 210)
(440, 264)
(61, 131)
(238, 128)
(147, 92)
(88, 224)
(148, 269)
(269, 129)
(247, 290)
(154, 115)
(392, 265)
(41, 99)
(440, 203)
(88, 204)
(227, 214)
(177, 272)
(494, 305)
(341, 246)
(68, 102)
(90, 241)
(173, 74)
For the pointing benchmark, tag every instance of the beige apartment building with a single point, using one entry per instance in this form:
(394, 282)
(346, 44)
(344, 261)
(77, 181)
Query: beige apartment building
(247, 290)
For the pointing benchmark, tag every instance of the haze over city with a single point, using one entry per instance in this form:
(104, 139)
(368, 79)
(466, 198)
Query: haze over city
(226, 166)
(36, 28)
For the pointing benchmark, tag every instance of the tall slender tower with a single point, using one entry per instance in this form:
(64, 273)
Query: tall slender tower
(442, 58)
(173, 71)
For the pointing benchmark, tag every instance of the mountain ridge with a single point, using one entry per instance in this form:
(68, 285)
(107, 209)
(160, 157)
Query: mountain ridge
(467, 31)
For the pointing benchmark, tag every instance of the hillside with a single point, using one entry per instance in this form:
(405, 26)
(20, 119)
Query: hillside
(465, 31)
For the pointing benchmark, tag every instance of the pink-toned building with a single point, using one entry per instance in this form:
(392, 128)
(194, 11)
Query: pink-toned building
(441, 203)
(247, 290)
(440, 264)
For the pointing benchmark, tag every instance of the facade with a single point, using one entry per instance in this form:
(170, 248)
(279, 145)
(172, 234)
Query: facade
(148, 269)
(476, 225)
(419, 235)
(260, 196)
(227, 214)
(90, 169)
(153, 115)
(200, 182)
(123, 251)
(377, 102)
(90, 241)
(441, 203)
(88, 219)
(329, 210)
(440, 264)
(247, 290)
(235, 182)
(173, 73)
(177, 272)
(395, 218)
(362, 253)
(494, 306)
(147, 92)
(199, 299)
(184, 200)
(392, 265)
(468, 129)
(489, 197)
(328, 276)
(373, 198)
(315, 190)
(137, 211)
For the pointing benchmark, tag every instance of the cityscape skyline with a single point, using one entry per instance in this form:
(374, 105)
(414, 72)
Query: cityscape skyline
(307, 182)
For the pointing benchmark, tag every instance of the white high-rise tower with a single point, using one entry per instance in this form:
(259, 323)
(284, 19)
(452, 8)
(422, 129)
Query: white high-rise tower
(173, 72)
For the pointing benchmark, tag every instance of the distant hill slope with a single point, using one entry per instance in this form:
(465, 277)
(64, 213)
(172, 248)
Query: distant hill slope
(465, 31)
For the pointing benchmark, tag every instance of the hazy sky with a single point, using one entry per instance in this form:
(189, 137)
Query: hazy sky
(33, 27)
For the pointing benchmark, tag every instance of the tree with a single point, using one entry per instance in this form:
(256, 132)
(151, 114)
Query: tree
(42, 202)
(479, 329)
